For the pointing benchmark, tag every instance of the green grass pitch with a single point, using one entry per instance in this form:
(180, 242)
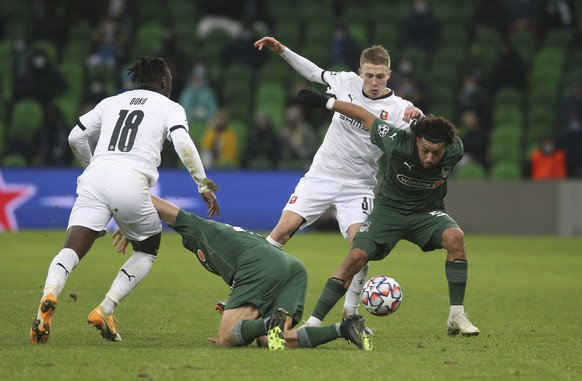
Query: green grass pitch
(524, 294)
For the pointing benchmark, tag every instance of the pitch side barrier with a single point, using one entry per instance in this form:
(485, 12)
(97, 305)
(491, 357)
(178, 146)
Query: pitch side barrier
(42, 198)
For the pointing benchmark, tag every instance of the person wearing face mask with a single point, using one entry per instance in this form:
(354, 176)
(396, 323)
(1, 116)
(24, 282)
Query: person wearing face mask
(571, 142)
(41, 79)
(421, 29)
(548, 162)
(219, 142)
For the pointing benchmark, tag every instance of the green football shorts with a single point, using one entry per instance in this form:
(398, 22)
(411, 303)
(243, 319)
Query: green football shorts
(385, 227)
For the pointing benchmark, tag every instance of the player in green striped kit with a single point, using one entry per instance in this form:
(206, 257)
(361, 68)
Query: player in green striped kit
(409, 204)
(268, 285)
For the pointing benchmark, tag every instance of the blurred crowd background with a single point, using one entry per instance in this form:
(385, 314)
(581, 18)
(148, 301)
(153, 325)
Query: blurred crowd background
(508, 73)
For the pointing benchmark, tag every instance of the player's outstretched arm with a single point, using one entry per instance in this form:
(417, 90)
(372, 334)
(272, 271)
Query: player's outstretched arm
(270, 43)
(317, 100)
(190, 157)
(168, 212)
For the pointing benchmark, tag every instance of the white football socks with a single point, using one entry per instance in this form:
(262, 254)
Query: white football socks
(353, 295)
(133, 271)
(59, 270)
(456, 310)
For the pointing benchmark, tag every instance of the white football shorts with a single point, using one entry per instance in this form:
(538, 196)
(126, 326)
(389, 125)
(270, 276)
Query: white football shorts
(104, 192)
(313, 196)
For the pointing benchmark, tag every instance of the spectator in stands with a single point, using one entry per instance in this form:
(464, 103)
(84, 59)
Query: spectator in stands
(473, 97)
(20, 52)
(560, 14)
(344, 49)
(241, 50)
(508, 70)
(198, 97)
(406, 83)
(219, 143)
(50, 21)
(548, 162)
(571, 143)
(95, 92)
(263, 143)
(53, 144)
(525, 15)
(41, 79)
(475, 139)
(420, 28)
(571, 104)
(298, 138)
(178, 63)
(486, 14)
(108, 45)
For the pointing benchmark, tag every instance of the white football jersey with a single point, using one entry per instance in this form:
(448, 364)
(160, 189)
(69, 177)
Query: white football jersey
(347, 153)
(132, 128)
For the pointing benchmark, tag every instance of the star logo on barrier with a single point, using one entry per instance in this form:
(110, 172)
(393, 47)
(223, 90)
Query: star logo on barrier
(11, 197)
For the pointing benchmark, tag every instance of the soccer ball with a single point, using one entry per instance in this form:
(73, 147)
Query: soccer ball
(381, 295)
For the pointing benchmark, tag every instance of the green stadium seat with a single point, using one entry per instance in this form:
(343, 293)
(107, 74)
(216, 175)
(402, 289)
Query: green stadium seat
(508, 96)
(472, 170)
(288, 32)
(557, 38)
(509, 170)
(196, 130)
(27, 118)
(500, 151)
(526, 44)
(14, 160)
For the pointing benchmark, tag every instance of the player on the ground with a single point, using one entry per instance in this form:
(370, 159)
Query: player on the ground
(410, 204)
(343, 173)
(131, 128)
(268, 285)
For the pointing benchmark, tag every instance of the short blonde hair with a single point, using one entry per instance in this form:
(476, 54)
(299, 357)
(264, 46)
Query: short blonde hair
(375, 55)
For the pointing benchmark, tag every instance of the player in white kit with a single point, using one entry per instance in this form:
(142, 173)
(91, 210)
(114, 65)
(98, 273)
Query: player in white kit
(343, 172)
(131, 128)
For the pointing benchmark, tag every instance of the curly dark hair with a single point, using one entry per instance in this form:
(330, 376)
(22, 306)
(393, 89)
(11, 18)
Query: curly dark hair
(435, 129)
(147, 70)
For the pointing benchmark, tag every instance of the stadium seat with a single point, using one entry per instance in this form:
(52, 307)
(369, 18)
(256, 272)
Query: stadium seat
(506, 171)
(6, 76)
(81, 32)
(27, 118)
(183, 11)
(507, 113)
(289, 33)
(472, 170)
(454, 36)
(557, 38)
(526, 44)
(504, 151)
(388, 35)
(508, 96)
(14, 160)
(507, 132)
(196, 130)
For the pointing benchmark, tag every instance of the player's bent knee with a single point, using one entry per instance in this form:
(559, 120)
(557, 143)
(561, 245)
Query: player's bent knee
(453, 239)
(150, 245)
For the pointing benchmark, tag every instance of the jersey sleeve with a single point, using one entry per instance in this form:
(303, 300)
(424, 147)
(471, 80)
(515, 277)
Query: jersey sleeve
(336, 80)
(385, 136)
(90, 122)
(176, 118)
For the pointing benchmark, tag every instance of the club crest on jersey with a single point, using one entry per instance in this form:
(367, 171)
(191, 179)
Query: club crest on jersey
(383, 130)
(446, 171)
(365, 227)
(202, 259)
(383, 114)
(293, 200)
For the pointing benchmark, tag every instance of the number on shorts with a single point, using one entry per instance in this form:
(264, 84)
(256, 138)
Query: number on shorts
(125, 130)
(367, 205)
